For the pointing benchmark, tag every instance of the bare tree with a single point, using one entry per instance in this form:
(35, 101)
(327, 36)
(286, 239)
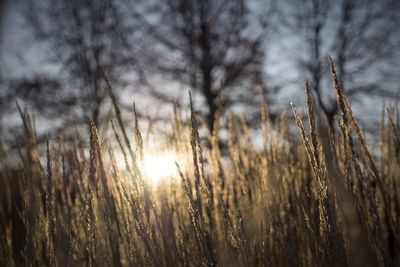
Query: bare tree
(215, 48)
(83, 38)
(3, 7)
(360, 35)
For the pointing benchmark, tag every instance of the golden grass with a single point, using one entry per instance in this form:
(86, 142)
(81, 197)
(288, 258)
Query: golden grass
(314, 199)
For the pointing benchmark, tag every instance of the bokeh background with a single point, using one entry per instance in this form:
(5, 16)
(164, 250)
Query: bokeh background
(231, 54)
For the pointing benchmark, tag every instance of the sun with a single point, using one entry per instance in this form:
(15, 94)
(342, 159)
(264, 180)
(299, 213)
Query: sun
(157, 167)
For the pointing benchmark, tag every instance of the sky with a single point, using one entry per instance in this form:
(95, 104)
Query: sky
(22, 56)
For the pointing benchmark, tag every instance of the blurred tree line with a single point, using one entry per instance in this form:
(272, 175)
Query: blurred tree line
(215, 48)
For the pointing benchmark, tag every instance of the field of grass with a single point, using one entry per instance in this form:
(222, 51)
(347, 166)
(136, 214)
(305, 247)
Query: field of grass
(307, 198)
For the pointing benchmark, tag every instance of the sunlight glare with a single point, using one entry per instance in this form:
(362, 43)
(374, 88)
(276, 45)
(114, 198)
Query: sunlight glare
(159, 166)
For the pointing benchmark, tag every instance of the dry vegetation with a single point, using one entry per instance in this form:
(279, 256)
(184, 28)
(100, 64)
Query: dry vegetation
(316, 198)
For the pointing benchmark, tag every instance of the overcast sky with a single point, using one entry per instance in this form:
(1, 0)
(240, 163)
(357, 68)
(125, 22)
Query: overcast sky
(22, 56)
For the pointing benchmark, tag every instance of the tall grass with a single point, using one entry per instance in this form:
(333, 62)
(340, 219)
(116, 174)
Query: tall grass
(317, 198)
